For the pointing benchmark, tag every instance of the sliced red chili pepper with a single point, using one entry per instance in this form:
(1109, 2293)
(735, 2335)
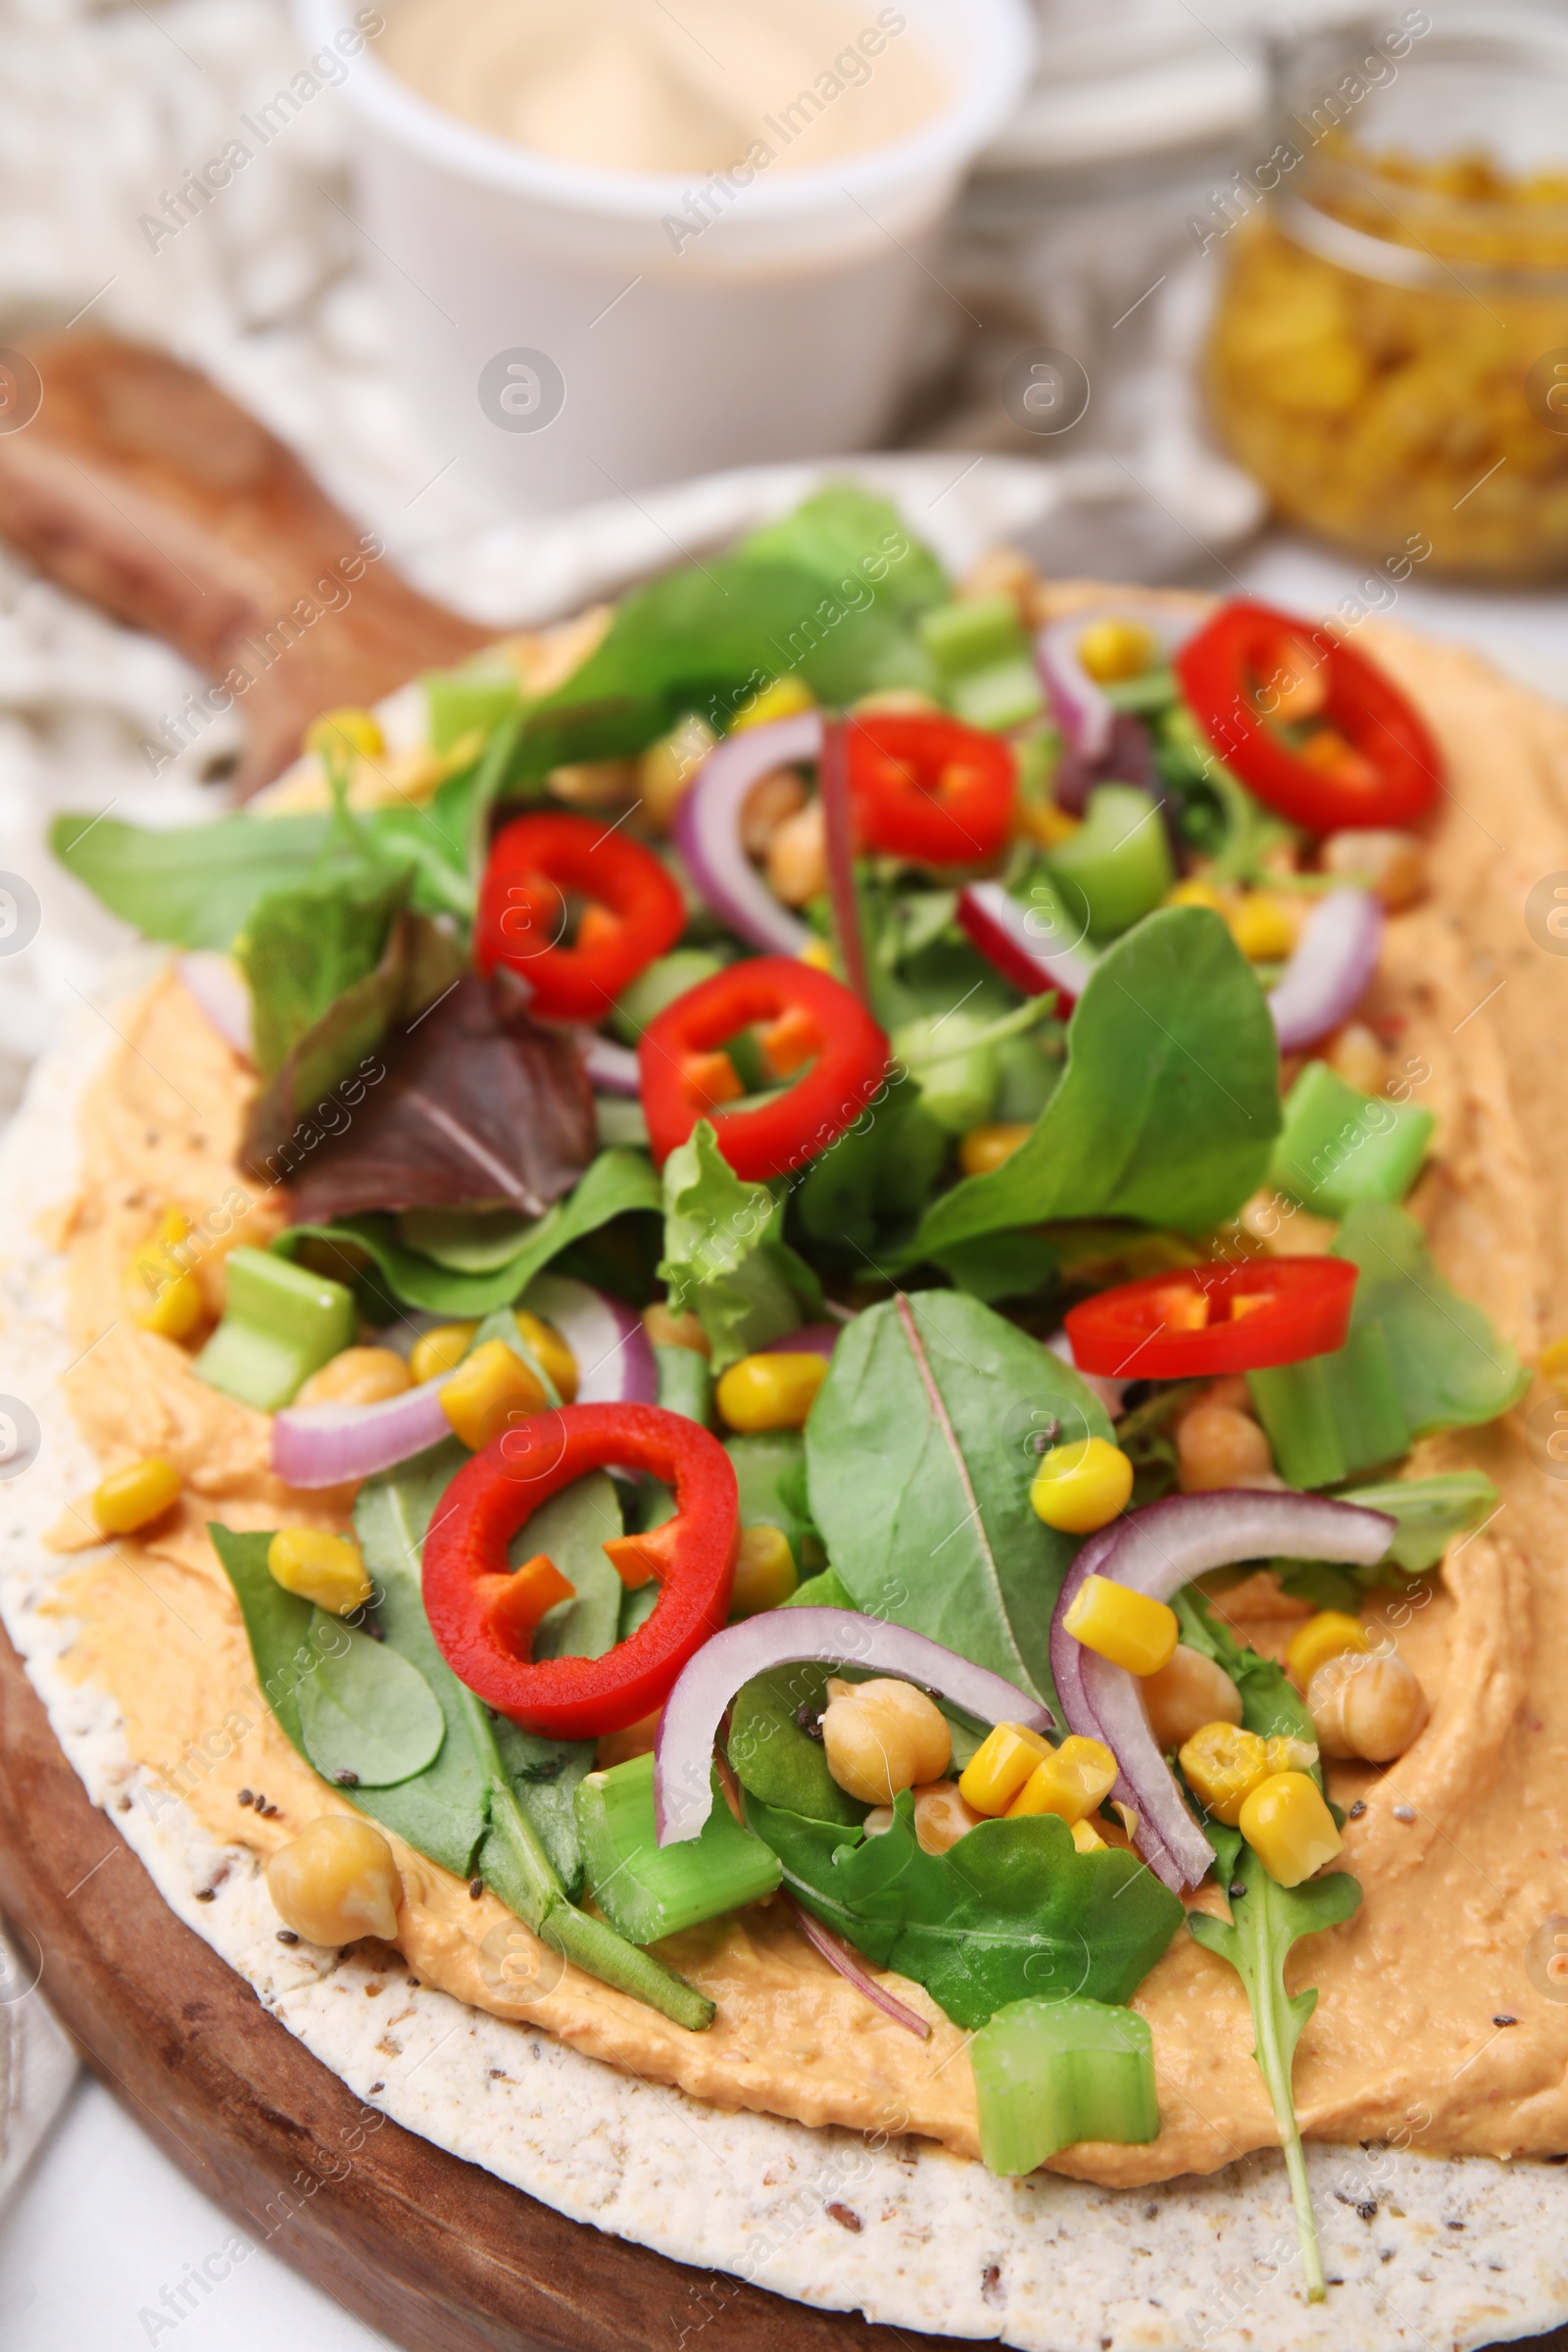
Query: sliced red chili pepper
(925, 787)
(811, 1024)
(1369, 759)
(484, 1615)
(1204, 1320)
(628, 911)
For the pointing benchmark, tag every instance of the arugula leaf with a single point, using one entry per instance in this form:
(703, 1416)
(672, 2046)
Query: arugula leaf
(1169, 1104)
(616, 1182)
(365, 1711)
(919, 1450)
(302, 948)
(719, 1254)
(1012, 1910)
(191, 885)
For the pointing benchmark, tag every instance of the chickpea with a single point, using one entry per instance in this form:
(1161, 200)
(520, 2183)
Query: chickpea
(1218, 1446)
(595, 783)
(771, 801)
(358, 1376)
(668, 1330)
(1367, 1706)
(666, 770)
(882, 1737)
(1003, 571)
(1393, 864)
(336, 1881)
(1184, 1695)
(1354, 1054)
(796, 856)
(941, 1817)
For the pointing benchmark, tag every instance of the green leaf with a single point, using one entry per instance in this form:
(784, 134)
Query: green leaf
(573, 1528)
(1012, 1910)
(718, 1258)
(1449, 1365)
(1272, 1704)
(615, 1181)
(919, 1452)
(192, 885)
(466, 1241)
(1431, 1512)
(367, 1712)
(773, 1758)
(301, 948)
(1169, 1104)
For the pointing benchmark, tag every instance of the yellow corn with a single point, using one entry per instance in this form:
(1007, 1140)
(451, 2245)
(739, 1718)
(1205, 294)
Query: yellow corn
(356, 732)
(764, 1571)
(1196, 891)
(440, 1351)
(166, 1296)
(1288, 1827)
(554, 1355)
(1111, 650)
(136, 1496)
(818, 954)
(784, 699)
(1071, 1782)
(999, 1767)
(770, 1392)
(666, 770)
(1326, 1636)
(986, 1147)
(1554, 1364)
(1121, 1625)
(1080, 1486)
(490, 1387)
(1045, 823)
(1087, 1838)
(327, 1569)
(1262, 928)
(1223, 1765)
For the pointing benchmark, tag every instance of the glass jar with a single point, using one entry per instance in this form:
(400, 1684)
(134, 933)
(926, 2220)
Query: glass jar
(1389, 353)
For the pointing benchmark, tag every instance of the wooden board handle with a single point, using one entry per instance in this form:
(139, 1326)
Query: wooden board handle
(147, 491)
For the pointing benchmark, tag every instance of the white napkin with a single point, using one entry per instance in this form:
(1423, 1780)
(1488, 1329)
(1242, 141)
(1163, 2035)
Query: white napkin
(37, 2065)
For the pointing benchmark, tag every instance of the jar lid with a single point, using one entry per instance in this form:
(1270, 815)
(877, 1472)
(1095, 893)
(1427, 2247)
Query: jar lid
(1132, 79)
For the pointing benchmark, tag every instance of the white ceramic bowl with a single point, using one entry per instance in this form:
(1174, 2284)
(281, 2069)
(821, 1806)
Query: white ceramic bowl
(778, 332)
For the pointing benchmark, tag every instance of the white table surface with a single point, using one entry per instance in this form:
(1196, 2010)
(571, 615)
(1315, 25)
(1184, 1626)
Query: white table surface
(104, 2224)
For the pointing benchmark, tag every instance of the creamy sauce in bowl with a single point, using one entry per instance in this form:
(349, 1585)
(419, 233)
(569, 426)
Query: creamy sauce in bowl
(624, 85)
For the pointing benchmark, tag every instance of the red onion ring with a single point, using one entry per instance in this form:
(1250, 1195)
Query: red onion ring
(1331, 970)
(218, 986)
(840, 1956)
(612, 1069)
(615, 1360)
(812, 1338)
(684, 1793)
(1110, 1391)
(708, 830)
(995, 923)
(1081, 707)
(1157, 1550)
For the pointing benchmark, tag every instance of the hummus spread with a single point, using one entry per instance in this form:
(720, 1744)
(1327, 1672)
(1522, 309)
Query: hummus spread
(1437, 2023)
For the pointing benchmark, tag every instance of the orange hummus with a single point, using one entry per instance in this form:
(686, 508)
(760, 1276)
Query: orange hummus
(1435, 2027)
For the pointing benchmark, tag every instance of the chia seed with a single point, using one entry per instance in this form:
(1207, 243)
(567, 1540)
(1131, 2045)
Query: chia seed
(286, 1936)
(1357, 1809)
(247, 1797)
(475, 1890)
(346, 1779)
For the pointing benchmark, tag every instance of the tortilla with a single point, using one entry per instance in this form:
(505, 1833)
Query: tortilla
(941, 2245)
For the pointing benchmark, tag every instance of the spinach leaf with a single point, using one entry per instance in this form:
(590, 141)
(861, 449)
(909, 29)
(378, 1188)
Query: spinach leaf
(466, 1241)
(573, 1528)
(301, 948)
(877, 1177)
(1449, 1367)
(1431, 1512)
(192, 885)
(1012, 1910)
(617, 1181)
(1169, 1106)
(366, 1713)
(720, 1258)
(919, 1452)
(774, 1759)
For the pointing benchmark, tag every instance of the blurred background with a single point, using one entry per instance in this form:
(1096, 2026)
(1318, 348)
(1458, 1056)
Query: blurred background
(551, 293)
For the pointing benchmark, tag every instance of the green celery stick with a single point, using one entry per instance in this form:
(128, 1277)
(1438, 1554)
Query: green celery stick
(974, 633)
(1002, 695)
(458, 700)
(647, 1890)
(1331, 1415)
(1049, 2074)
(1338, 1146)
(281, 1324)
(1117, 866)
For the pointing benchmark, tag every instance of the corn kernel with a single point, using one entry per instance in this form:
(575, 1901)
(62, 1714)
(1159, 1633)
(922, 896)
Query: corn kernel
(1288, 1827)
(818, 954)
(984, 1149)
(784, 699)
(1554, 1364)
(1121, 1625)
(770, 1392)
(327, 1569)
(764, 1571)
(166, 1295)
(1071, 1781)
(666, 770)
(351, 731)
(440, 1351)
(1111, 650)
(999, 1767)
(553, 1357)
(489, 1388)
(1323, 1637)
(1223, 1765)
(1081, 1486)
(1087, 1838)
(1045, 823)
(1262, 928)
(136, 1496)
(1196, 891)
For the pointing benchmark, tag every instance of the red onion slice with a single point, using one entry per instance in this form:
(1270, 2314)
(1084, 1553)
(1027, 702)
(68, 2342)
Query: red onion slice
(1157, 1550)
(1000, 928)
(331, 1445)
(1086, 717)
(1110, 1391)
(812, 1338)
(218, 986)
(707, 831)
(848, 1963)
(1331, 970)
(838, 822)
(615, 1360)
(684, 1793)
(612, 1069)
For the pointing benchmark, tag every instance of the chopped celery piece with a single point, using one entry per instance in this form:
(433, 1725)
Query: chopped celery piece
(1152, 690)
(685, 1382)
(647, 1890)
(1431, 1512)
(664, 979)
(459, 701)
(1117, 866)
(975, 632)
(1330, 1415)
(1003, 695)
(281, 1324)
(1049, 2074)
(1338, 1146)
